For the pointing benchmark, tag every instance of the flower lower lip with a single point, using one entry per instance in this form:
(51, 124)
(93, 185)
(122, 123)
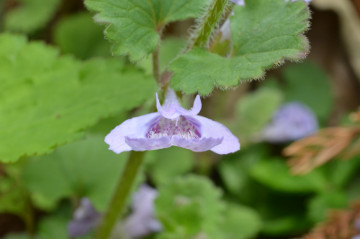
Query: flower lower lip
(196, 144)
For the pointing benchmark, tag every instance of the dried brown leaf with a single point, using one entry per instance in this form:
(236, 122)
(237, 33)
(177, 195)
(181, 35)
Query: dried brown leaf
(316, 150)
(339, 225)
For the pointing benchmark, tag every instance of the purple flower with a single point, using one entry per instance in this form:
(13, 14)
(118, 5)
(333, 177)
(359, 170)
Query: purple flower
(307, 1)
(225, 31)
(292, 121)
(172, 125)
(142, 221)
(85, 219)
(357, 224)
(238, 2)
(242, 2)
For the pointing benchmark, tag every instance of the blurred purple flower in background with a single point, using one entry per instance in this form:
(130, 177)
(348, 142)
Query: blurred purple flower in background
(225, 31)
(85, 219)
(142, 220)
(292, 121)
(239, 2)
(307, 1)
(357, 226)
(172, 125)
(139, 223)
(242, 2)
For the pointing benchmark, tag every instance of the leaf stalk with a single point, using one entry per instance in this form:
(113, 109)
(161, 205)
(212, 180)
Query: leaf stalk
(156, 64)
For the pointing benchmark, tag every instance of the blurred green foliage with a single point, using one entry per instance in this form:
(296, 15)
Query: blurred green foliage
(82, 169)
(258, 179)
(81, 36)
(191, 207)
(255, 111)
(309, 84)
(74, 93)
(165, 165)
(12, 198)
(30, 15)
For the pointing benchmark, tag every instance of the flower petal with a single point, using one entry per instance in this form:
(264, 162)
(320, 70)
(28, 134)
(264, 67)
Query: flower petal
(171, 105)
(196, 145)
(225, 31)
(172, 109)
(135, 128)
(194, 110)
(142, 144)
(196, 106)
(213, 129)
(238, 2)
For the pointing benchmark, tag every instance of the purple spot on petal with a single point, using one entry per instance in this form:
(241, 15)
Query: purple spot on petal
(181, 126)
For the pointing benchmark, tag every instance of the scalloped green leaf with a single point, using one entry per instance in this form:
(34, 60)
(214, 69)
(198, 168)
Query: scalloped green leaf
(30, 15)
(133, 25)
(264, 34)
(47, 100)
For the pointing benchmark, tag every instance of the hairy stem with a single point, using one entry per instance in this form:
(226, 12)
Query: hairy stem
(208, 23)
(121, 194)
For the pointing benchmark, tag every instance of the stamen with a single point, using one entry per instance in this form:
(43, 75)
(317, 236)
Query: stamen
(169, 127)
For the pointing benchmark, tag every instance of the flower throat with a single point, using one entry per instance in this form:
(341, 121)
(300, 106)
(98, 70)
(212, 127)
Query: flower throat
(169, 127)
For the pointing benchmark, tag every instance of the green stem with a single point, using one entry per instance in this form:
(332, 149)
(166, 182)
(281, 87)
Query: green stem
(208, 23)
(156, 64)
(29, 216)
(120, 196)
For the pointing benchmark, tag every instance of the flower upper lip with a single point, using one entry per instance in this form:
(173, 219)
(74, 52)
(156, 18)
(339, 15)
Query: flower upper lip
(171, 108)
